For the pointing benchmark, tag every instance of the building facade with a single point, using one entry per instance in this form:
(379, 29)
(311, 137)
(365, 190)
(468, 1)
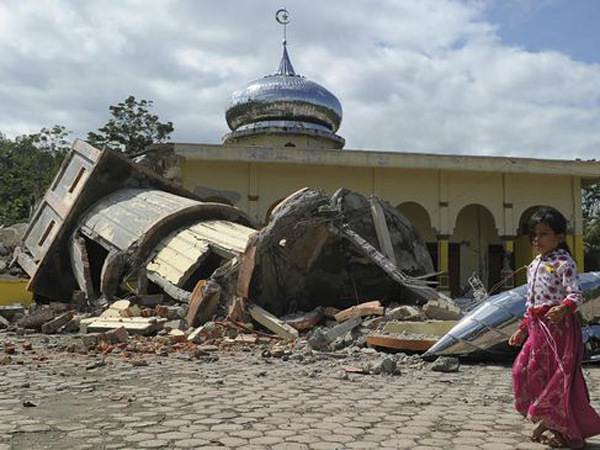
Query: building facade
(471, 210)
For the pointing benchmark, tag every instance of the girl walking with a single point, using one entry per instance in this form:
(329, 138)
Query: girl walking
(548, 383)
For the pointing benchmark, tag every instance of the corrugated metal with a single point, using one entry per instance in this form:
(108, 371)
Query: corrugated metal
(180, 254)
(120, 219)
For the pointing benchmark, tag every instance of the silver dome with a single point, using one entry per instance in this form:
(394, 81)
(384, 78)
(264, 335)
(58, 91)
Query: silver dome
(284, 97)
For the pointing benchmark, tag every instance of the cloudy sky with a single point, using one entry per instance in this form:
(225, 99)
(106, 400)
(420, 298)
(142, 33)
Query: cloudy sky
(488, 77)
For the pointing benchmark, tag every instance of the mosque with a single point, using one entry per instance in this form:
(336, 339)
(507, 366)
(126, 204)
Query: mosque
(471, 210)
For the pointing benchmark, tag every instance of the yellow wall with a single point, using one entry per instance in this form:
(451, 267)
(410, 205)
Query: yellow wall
(444, 194)
(14, 291)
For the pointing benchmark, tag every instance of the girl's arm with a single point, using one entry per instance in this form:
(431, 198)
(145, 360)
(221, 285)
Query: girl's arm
(570, 281)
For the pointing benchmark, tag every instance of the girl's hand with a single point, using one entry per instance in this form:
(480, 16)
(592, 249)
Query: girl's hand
(557, 313)
(517, 338)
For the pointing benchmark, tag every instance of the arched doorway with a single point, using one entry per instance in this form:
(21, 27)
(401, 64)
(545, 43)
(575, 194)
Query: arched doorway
(419, 218)
(479, 248)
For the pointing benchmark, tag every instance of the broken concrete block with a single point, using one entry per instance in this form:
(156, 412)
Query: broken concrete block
(441, 310)
(134, 325)
(35, 320)
(53, 325)
(8, 312)
(117, 335)
(206, 332)
(343, 328)
(318, 340)
(374, 322)
(132, 311)
(273, 323)
(429, 327)
(373, 308)
(178, 324)
(385, 366)
(304, 321)
(404, 312)
(446, 364)
(72, 326)
(176, 335)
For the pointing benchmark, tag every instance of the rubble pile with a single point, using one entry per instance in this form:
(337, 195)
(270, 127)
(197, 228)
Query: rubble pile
(137, 266)
(325, 338)
(10, 238)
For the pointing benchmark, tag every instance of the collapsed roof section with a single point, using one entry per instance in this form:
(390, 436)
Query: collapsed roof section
(106, 220)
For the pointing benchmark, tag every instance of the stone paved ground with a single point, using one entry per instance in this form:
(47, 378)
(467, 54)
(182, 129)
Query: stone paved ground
(245, 401)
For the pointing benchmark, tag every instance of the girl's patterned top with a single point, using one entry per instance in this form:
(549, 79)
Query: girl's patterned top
(553, 280)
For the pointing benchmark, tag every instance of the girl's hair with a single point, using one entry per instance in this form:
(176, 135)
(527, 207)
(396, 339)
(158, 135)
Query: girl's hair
(554, 219)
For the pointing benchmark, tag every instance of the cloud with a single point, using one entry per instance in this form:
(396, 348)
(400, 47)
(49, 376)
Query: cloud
(416, 75)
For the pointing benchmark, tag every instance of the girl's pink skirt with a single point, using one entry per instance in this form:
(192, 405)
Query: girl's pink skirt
(548, 382)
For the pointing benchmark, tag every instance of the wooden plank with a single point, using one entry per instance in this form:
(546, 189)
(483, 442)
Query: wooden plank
(399, 343)
(382, 230)
(373, 308)
(273, 323)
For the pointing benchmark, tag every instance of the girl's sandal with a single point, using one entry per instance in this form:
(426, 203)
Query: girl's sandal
(555, 440)
(537, 432)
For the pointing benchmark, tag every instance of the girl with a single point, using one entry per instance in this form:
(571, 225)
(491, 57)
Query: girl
(547, 379)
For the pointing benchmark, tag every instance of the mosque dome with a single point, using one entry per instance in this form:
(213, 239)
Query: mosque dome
(285, 103)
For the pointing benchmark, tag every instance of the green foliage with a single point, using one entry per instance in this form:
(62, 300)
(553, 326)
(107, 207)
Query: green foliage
(131, 128)
(591, 224)
(27, 166)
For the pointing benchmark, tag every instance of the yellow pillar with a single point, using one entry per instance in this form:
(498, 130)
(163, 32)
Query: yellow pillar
(575, 243)
(443, 263)
(524, 253)
(507, 270)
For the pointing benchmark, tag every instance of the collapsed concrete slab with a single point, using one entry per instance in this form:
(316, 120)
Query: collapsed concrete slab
(318, 250)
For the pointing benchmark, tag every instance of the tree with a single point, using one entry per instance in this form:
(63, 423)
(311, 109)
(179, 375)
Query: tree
(131, 128)
(591, 225)
(28, 164)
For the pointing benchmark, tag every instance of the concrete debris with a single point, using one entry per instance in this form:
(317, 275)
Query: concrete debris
(272, 323)
(442, 310)
(318, 340)
(404, 312)
(446, 364)
(207, 332)
(429, 327)
(343, 328)
(384, 366)
(133, 325)
(55, 324)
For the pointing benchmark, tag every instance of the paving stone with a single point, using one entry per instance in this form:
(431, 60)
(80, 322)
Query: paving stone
(191, 443)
